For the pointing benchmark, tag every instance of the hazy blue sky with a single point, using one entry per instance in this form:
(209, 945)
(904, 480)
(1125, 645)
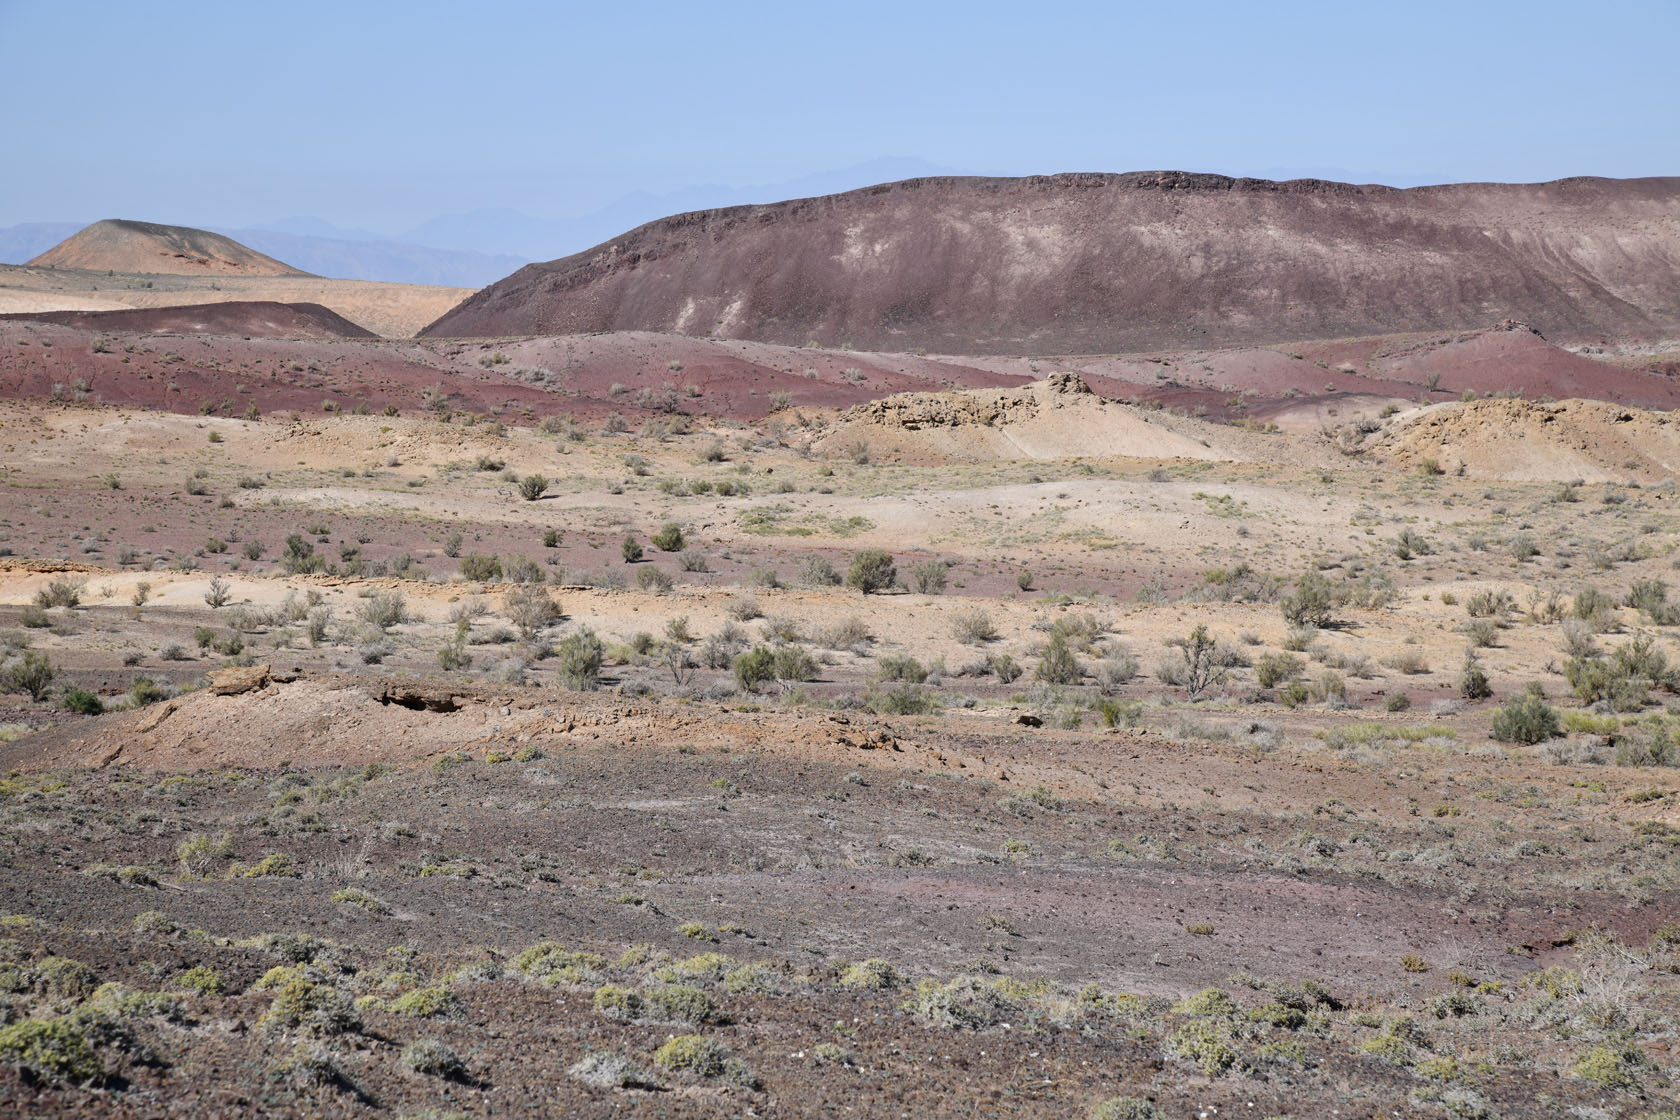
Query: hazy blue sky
(384, 115)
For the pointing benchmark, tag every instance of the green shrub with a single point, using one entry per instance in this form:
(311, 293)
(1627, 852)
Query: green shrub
(426, 1003)
(310, 1007)
(1472, 682)
(1526, 719)
(202, 979)
(479, 568)
(930, 578)
(692, 1053)
(1124, 1108)
(579, 656)
(967, 1002)
(1274, 669)
(753, 668)
(1058, 665)
(1208, 1043)
(874, 974)
(66, 978)
(669, 538)
(32, 673)
(1310, 603)
(51, 1050)
(631, 549)
(532, 487)
(82, 702)
(871, 570)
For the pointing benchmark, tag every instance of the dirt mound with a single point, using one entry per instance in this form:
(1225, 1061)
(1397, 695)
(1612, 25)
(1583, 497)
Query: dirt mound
(257, 319)
(146, 247)
(1116, 263)
(1056, 418)
(1523, 441)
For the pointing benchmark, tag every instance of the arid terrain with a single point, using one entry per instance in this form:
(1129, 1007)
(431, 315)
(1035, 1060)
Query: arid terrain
(644, 724)
(1115, 263)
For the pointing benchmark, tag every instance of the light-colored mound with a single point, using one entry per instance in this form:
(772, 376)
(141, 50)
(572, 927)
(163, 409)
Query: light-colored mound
(1057, 418)
(147, 247)
(1523, 441)
(388, 310)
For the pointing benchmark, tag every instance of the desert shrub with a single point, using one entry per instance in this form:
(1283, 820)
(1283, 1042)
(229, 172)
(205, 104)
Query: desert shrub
(1472, 681)
(1057, 664)
(974, 627)
(874, 974)
(1124, 1108)
(579, 657)
(692, 1053)
(82, 702)
(300, 557)
(383, 610)
(744, 608)
(690, 560)
(1526, 719)
(1482, 632)
(601, 1070)
(66, 978)
(32, 673)
(816, 571)
(631, 549)
(1005, 668)
(793, 663)
(1207, 1043)
(1594, 606)
(930, 578)
(49, 1050)
(1625, 678)
(1274, 669)
(310, 1007)
(34, 618)
(479, 568)
(426, 1003)
(432, 1058)
(669, 538)
(201, 851)
(849, 633)
(532, 487)
(60, 593)
(900, 667)
(361, 899)
(1489, 604)
(1116, 669)
(903, 699)
(966, 1003)
(1311, 603)
(654, 579)
(872, 570)
(753, 668)
(522, 569)
(530, 608)
(218, 594)
(1197, 668)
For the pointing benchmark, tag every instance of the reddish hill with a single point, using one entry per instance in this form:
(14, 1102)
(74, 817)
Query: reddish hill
(146, 247)
(253, 318)
(1093, 263)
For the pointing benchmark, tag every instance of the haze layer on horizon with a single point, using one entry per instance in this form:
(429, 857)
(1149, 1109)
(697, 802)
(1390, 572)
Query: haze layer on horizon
(384, 117)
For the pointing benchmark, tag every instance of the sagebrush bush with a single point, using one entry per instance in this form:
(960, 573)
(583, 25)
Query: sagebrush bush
(579, 657)
(1526, 719)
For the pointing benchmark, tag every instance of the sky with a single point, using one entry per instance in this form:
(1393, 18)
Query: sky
(386, 116)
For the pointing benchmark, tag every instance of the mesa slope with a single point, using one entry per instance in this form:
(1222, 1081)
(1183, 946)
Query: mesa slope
(1094, 263)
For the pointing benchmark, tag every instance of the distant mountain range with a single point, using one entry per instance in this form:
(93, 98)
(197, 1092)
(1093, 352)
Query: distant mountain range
(478, 247)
